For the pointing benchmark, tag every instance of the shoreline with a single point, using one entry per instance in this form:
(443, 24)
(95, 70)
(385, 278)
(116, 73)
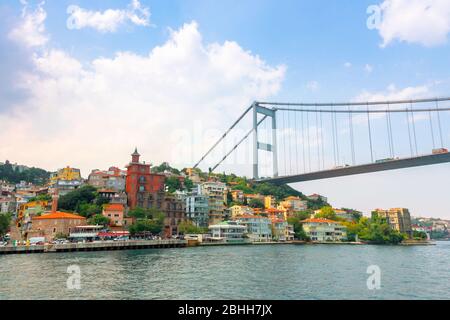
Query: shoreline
(165, 244)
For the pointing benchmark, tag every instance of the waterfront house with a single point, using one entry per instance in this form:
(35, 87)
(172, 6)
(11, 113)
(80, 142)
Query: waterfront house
(282, 231)
(228, 232)
(259, 228)
(324, 230)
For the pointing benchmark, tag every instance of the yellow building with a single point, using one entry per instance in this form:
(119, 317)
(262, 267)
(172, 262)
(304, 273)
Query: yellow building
(237, 211)
(67, 174)
(269, 202)
(398, 219)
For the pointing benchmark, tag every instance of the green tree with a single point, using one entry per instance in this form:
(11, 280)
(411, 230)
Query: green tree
(72, 200)
(327, 213)
(187, 227)
(296, 221)
(99, 220)
(188, 184)
(41, 197)
(256, 203)
(146, 225)
(5, 222)
(88, 210)
(173, 184)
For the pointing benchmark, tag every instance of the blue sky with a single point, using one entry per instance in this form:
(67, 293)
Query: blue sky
(61, 87)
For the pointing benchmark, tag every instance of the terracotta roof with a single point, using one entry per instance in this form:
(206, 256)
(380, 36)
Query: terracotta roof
(319, 220)
(114, 207)
(59, 215)
(250, 217)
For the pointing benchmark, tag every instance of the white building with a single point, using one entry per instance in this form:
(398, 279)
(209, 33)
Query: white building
(228, 231)
(324, 230)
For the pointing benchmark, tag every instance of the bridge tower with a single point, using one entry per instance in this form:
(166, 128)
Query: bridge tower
(271, 113)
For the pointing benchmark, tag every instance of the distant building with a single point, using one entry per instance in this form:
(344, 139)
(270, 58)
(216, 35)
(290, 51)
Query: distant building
(270, 202)
(344, 214)
(294, 204)
(175, 212)
(115, 213)
(228, 232)
(7, 204)
(237, 195)
(112, 179)
(324, 230)
(317, 197)
(65, 180)
(259, 228)
(216, 200)
(398, 219)
(237, 211)
(51, 224)
(27, 211)
(197, 207)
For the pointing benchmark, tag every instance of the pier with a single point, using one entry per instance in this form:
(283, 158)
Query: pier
(94, 246)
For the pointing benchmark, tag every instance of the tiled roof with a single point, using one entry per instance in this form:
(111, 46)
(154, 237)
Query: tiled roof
(59, 215)
(114, 207)
(319, 220)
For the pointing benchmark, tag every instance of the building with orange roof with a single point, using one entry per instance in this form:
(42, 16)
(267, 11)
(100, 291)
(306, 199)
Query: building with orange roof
(115, 213)
(293, 204)
(324, 230)
(53, 223)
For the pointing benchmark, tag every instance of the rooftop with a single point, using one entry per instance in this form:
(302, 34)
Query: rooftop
(59, 215)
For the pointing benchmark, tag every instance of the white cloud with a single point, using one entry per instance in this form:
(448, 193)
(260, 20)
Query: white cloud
(426, 22)
(93, 115)
(30, 32)
(368, 68)
(348, 65)
(109, 20)
(312, 85)
(393, 93)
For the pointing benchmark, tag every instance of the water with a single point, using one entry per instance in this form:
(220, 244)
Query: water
(242, 272)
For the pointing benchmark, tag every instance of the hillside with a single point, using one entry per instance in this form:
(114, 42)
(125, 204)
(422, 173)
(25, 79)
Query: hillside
(15, 174)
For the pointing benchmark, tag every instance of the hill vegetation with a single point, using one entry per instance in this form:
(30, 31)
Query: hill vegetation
(15, 174)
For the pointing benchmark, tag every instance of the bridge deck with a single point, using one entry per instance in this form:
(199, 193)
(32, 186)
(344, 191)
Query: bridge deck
(360, 169)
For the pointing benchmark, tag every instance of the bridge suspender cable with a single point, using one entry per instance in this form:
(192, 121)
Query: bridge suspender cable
(409, 133)
(303, 142)
(439, 124)
(322, 141)
(431, 129)
(352, 140)
(237, 145)
(414, 129)
(223, 137)
(370, 132)
(296, 142)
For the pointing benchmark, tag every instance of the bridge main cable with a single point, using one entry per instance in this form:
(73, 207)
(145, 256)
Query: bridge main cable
(344, 104)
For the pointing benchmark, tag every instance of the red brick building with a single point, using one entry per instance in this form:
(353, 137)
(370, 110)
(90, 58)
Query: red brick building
(144, 189)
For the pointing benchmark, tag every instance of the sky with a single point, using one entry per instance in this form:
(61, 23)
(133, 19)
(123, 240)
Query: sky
(82, 83)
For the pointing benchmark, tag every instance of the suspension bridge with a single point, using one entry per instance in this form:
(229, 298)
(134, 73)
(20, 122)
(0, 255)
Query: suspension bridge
(295, 142)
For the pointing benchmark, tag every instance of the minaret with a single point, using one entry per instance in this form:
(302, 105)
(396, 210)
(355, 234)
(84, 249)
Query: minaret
(55, 197)
(135, 156)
